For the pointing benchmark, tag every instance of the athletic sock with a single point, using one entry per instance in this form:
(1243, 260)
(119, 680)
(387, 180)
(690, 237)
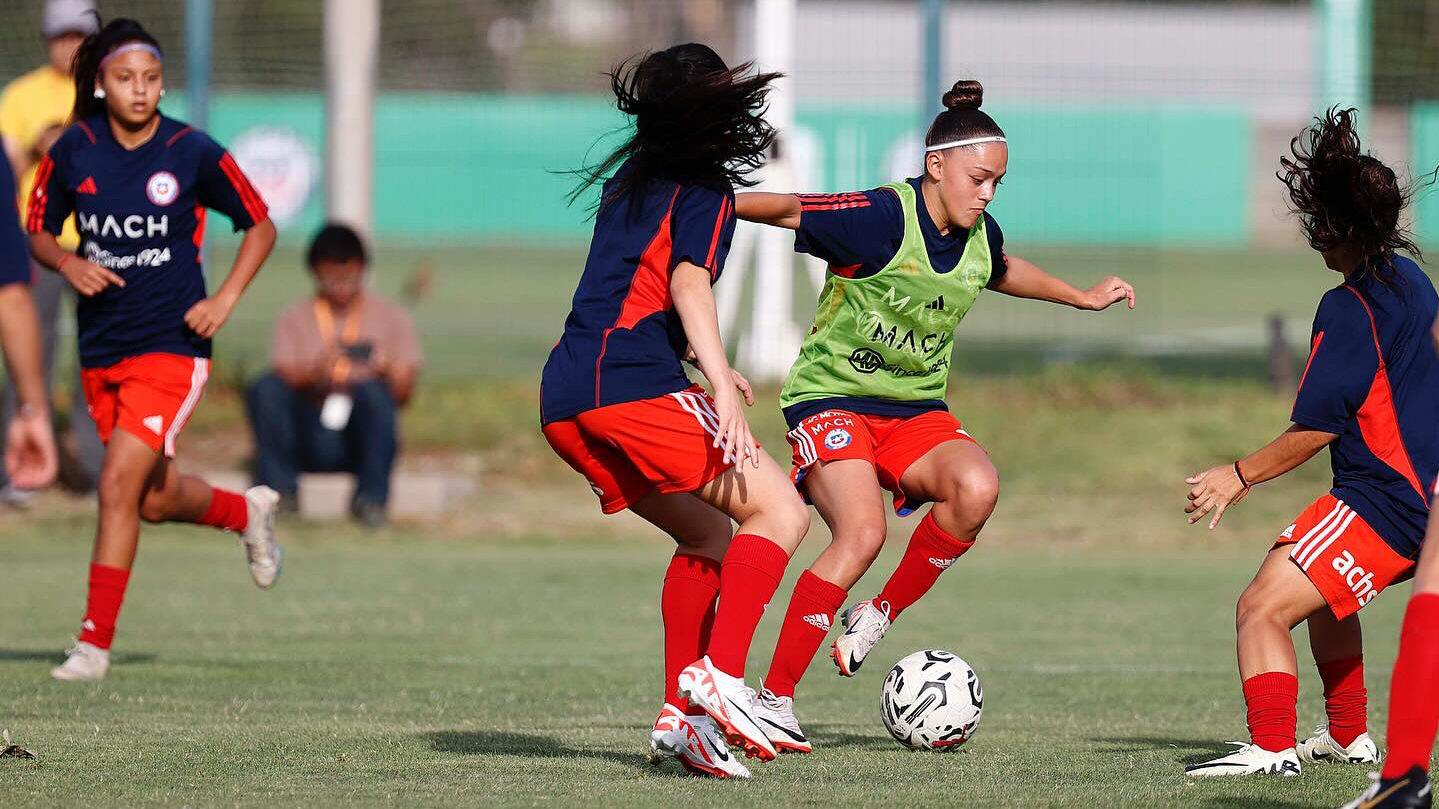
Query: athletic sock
(228, 511)
(1346, 702)
(806, 623)
(687, 605)
(1272, 700)
(1413, 710)
(930, 552)
(102, 608)
(749, 575)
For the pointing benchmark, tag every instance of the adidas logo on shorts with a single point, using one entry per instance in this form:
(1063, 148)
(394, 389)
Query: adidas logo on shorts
(942, 564)
(819, 620)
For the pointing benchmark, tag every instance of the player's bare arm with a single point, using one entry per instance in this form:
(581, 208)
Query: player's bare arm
(87, 277)
(694, 302)
(778, 210)
(1222, 486)
(1026, 280)
(208, 315)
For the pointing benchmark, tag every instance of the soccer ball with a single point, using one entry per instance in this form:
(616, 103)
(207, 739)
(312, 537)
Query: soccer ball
(931, 700)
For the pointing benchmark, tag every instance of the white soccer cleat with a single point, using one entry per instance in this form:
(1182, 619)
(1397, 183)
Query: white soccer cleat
(1321, 747)
(262, 549)
(775, 715)
(728, 703)
(1249, 759)
(864, 625)
(84, 662)
(695, 743)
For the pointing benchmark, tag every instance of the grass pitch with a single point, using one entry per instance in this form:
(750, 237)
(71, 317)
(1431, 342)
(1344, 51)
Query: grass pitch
(398, 670)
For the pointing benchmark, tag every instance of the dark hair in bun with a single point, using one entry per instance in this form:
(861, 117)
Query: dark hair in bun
(965, 94)
(962, 118)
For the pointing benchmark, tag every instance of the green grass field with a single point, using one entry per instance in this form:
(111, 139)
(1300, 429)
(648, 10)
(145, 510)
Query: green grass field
(398, 670)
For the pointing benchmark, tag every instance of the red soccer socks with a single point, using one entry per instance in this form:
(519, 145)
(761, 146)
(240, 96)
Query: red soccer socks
(227, 510)
(931, 551)
(1346, 701)
(687, 605)
(811, 614)
(107, 593)
(1272, 699)
(1413, 703)
(749, 575)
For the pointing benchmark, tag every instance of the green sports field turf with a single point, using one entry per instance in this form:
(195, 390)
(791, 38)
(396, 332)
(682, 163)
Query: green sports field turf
(398, 670)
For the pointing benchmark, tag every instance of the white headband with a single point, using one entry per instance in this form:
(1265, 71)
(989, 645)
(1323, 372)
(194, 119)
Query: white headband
(133, 46)
(942, 146)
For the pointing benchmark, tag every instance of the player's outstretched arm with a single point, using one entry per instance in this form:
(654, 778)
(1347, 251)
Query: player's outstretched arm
(779, 210)
(207, 316)
(1025, 279)
(1218, 488)
(695, 304)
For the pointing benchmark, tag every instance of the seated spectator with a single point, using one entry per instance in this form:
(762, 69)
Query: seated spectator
(344, 362)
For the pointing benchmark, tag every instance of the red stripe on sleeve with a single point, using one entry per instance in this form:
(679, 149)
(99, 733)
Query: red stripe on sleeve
(39, 195)
(86, 129)
(249, 197)
(720, 219)
(182, 133)
(1313, 352)
(835, 206)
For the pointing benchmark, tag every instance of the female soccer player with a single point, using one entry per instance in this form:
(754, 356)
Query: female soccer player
(138, 184)
(1369, 393)
(865, 399)
(616, 405)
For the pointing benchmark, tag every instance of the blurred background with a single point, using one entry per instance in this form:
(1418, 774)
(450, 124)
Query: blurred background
(1144, 141)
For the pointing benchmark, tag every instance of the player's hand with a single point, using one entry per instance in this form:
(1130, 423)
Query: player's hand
(208, 315)
(30, 457)
(733, 433)
(1213, 490)
(87, 277)
(1107, 293)
(742, 385)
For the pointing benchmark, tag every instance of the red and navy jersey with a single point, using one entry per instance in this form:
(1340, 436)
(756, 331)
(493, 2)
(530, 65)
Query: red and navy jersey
(1373, 379)
(858, 233)
(141, 214)
(14, 254)
(623, 341)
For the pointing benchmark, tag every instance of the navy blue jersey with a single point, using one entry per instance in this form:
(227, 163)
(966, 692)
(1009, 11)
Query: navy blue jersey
(1373, 379)
(858, 233)
(14, 254)
(141, 214)
(623, 340)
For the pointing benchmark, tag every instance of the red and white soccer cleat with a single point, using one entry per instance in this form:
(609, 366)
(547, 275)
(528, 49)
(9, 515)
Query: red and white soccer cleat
(695, 743)
(728, 703)
(864, 626)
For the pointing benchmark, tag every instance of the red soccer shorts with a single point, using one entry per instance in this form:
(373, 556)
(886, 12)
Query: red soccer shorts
(150, 396)
(1342, 556)
(890, 444)
(630, 449)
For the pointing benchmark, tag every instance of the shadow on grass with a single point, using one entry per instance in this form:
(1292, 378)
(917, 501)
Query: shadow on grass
(1196, 750)
(824, 739)
(57, 656)
(1250, 802)
(506, 743)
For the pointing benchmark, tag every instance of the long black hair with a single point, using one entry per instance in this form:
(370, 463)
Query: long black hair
(696, 122)
(962, 118)
(1345, 196)
(92, 51)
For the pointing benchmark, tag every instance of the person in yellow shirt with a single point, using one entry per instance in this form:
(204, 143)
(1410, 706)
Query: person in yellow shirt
(34, 110)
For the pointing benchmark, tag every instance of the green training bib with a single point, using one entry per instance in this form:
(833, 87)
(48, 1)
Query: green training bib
(889, 336)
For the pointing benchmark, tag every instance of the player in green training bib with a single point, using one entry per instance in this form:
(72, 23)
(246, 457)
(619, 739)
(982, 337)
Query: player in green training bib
(865, 398)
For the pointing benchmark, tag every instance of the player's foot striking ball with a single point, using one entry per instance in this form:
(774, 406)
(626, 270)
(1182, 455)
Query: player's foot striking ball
(138, 184)
(865, 400)
(616, 405)
(1369, 393)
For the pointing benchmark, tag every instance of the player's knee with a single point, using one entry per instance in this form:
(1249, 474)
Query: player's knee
(155, 507)
(791, 515)
(975, 491)
(112, 488)
(864, 539)
(1255, 606)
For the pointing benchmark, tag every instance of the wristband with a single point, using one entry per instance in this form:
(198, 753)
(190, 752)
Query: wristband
(1240, 475)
